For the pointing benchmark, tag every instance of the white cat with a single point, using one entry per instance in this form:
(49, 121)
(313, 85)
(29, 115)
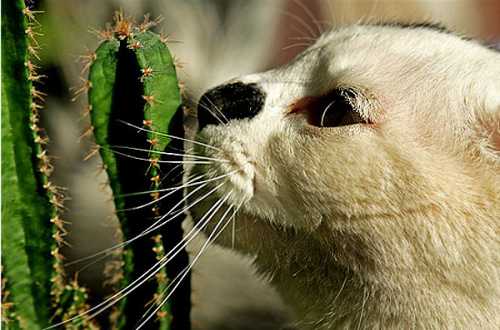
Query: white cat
(365, 177)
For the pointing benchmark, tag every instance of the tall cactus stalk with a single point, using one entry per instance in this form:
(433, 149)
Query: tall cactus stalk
(132, 83)
(35, 292)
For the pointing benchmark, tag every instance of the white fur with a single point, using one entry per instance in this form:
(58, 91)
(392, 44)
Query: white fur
(387, 226)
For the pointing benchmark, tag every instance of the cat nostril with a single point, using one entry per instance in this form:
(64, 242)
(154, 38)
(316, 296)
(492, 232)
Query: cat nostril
(227, 102)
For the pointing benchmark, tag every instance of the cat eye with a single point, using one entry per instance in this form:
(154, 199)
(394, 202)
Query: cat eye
(334, 109)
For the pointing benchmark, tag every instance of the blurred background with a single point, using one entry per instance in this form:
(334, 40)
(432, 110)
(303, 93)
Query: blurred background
(215, 40)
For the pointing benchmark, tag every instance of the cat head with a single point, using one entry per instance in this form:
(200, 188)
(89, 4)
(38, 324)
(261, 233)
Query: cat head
(371, 124)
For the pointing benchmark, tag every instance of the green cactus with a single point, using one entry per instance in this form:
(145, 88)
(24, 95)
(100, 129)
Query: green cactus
(132, 82)
(34, 287)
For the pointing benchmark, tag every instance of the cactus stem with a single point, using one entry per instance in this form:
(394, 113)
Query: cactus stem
(145, 54)
(51, 273)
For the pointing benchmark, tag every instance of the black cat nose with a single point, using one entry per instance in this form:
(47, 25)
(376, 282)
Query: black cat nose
(232, 101)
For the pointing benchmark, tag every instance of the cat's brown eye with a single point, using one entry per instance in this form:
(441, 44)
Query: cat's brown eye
(330, 110)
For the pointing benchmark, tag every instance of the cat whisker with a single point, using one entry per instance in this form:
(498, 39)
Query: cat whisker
(178, 174)
(155, 201)
(116, 297)
(108, 251)
(160, 264)
(233, 228)
(304, 41)
(170, 153)
(363, 303)
(216, 108)
(169, 135)
(332, 313)
(301, 21)
(200, 162)
(175, 188)
(304, 38)
(297, 44)
(211, 111)
(156, 225)
(190, 180)
(180, 277)
(313, 18)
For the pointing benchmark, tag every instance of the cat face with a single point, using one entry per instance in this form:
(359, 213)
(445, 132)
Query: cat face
(363, 175)
(371, 122)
